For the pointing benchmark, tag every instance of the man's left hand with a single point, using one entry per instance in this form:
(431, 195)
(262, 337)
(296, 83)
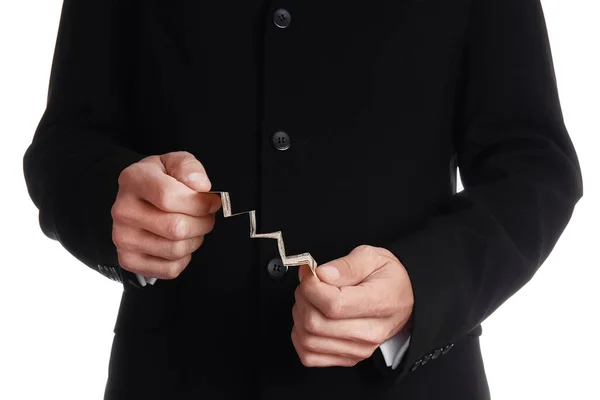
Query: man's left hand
(350, 308)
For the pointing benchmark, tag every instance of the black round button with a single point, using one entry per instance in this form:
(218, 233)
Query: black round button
(282, 18)
(276, 269)
(281, 140)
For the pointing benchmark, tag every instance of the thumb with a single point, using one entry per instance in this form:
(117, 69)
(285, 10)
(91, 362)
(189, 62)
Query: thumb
(353, 268)
(184, 167)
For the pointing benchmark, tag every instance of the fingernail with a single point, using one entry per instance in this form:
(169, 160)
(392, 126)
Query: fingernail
(198, 177)
(330, 271)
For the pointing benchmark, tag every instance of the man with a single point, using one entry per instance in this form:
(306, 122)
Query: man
(342, 124)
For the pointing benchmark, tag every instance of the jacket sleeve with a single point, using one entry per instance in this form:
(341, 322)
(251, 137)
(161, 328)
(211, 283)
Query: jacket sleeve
(82, 142)
(521, 177)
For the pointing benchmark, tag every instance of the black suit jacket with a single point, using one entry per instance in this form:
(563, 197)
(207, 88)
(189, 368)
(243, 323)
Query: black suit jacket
(382, 101)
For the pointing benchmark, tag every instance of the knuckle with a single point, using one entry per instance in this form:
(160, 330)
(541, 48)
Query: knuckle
(164, 199)
(177, 227)
(115, 211)
(377, 334)
(387, 308)
(153, 159)
(295, 314)
(118, 237)
(298, 293)
(126, 261)
(172, 270)
(363, 252)
(205, 224)
(308, 342)
(177, 267)
(367, 352)
(333, 309)
(311, 322)
(182, 154)
(183, 262)
(118, 211)
(351, 363)
(385, 253)
(307, 359)
(176, 171)
(178, 162)
(178, 250)
(372, 350)
(126, 176)
(302, 293)
(188, 161)
(198, 243)
(210, 223)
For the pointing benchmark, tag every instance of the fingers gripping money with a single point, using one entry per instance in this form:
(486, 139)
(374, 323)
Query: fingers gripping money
(295, 260)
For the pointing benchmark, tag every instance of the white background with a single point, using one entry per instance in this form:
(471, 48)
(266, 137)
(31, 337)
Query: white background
(57, 316)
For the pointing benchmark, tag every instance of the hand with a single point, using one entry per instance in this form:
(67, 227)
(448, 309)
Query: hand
(350, 308)
(161, 214)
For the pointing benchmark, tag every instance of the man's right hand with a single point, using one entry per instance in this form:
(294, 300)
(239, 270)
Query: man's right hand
(161, 214)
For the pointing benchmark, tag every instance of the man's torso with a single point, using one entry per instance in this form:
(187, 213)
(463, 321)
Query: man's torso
(367, 94)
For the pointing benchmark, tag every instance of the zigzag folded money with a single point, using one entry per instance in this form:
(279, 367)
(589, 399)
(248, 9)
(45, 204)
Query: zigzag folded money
(289, 261)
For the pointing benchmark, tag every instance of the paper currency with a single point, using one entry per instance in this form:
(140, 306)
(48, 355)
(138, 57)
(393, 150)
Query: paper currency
(289, 261)
(295, 260)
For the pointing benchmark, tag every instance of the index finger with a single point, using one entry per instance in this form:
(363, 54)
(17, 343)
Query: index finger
(184, 167)
(169, 195)
(304, 270)
(365, 300)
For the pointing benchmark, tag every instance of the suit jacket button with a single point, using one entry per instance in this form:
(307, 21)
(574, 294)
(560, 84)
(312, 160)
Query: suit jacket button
(282, 18)
(276, 269)
(426, 359)
(115, 274)
(281, 140)
(447, 348)
(416, 365)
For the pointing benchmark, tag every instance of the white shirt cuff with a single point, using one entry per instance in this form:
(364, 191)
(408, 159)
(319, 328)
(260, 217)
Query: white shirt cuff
(394, 348)
(143, 280)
